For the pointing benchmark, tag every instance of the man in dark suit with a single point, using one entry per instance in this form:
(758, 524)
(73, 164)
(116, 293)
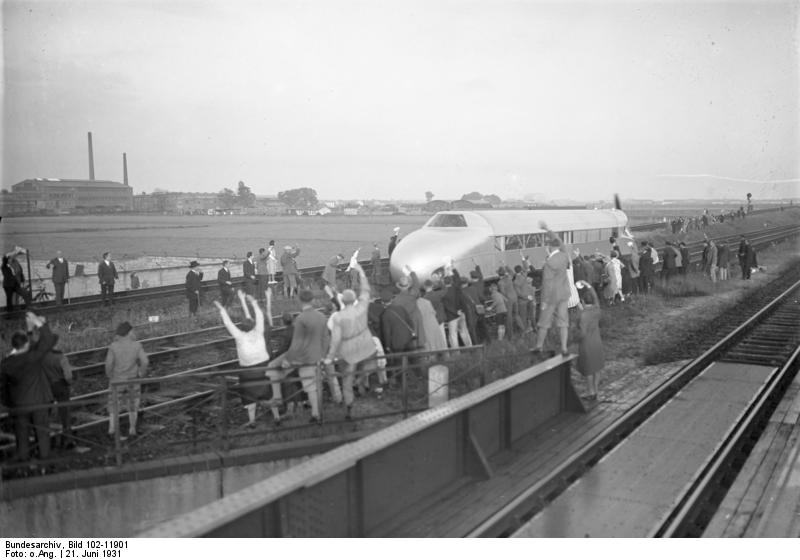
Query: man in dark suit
(684, 257)
(745, 256)
(249, 268)
(25, 388)
(14, 279)
(194, 280)
(225, 284)
(60, 275)
(107, 273)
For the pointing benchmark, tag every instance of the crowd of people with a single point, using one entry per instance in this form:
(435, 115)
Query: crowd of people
(685, 224)
(367, 322)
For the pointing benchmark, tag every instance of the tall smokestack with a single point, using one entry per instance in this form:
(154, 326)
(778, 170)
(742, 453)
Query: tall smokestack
(125, 169)
(91, 159)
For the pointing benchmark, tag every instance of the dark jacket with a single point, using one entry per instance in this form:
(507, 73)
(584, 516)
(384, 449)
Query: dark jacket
(374, 315)
(193, 281)
(107, 273)
(249, 270)
(56, 367)
(398, 332)
(224, 278)
(435, 297)
(685, 256)
(669, 258)
(60, 270)
(9, 280)
(23, 381)
(12, 275)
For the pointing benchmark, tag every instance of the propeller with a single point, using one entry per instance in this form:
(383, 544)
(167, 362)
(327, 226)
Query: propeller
(617, 203)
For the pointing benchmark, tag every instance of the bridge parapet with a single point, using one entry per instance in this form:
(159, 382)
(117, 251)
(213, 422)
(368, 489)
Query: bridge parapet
(358, 488)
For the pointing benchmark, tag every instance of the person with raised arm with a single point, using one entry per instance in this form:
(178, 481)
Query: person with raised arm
(24, 386)
(555, 292)
(351, 340)
(251, 349)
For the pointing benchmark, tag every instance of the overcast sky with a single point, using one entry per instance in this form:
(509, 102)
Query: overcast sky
(391, 99)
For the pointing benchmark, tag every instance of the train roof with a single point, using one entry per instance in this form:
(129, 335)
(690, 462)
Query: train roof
(510, 222)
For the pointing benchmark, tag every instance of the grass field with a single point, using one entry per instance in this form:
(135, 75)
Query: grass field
(83, 238)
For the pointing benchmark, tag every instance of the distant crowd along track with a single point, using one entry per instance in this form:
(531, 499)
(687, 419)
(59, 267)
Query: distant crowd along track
(758, 239)
(767, 344)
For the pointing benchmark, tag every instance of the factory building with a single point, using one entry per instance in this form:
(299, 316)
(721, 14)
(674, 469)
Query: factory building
(69, 195)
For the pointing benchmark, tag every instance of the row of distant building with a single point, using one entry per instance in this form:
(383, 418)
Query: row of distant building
(81, 196)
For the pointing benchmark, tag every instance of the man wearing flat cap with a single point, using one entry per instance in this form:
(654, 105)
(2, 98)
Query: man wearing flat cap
(194, 279)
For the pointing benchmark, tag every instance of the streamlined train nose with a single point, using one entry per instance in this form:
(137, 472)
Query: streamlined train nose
(425, 250)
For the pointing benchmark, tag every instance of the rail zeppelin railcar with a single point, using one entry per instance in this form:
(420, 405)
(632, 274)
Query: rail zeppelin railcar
(496, 237)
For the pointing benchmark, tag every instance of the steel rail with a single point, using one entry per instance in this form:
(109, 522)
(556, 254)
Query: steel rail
(84, 302)
(525, 505)
(683, 520)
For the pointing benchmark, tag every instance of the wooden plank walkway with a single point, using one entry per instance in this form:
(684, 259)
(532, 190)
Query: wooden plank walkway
(467, 503)
(764, 500)
(630, 491)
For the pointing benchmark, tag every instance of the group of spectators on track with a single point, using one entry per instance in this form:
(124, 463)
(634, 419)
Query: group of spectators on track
(685, 224)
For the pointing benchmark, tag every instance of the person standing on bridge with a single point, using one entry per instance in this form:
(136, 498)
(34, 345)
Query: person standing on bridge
(555, 293)
(194, 279)
(125, 360)
(107, 274)
(60, 276)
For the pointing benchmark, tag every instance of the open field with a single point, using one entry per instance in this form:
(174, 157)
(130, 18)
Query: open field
(83, 238)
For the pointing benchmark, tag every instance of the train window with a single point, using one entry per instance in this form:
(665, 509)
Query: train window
(500, 243)
(448, 220)
(580, 236)
(533, 240)
(513, 242)
(566, 236)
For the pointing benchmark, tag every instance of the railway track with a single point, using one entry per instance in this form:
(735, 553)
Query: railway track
(160, 292)
(757, 238)
(768, 338)
(166, 350)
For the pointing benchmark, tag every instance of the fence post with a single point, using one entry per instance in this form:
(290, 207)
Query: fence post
(223, 417)
(320, 388)
(404, 373)
(115, 417)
